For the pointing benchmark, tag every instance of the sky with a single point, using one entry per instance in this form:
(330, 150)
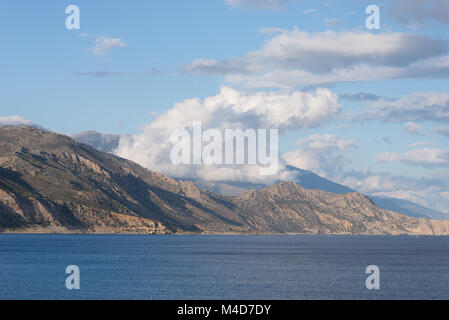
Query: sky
(365, 108)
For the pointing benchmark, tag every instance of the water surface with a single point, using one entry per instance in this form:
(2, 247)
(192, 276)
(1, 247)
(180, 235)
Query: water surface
(223, 267)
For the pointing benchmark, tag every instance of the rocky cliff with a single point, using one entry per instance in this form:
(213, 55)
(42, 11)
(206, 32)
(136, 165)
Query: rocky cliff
(51, 183)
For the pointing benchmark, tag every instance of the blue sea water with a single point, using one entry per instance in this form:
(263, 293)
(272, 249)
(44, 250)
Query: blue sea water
(223, 267)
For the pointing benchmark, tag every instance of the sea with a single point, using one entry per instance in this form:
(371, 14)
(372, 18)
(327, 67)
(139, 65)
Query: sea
(203, 267)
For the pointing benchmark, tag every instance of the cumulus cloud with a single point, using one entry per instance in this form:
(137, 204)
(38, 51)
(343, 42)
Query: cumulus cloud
(297, 58)
(427, 157)
(258, 4)
(417, 107)
(320, 153)
(231, 109)
(415, 12)
(104, 43)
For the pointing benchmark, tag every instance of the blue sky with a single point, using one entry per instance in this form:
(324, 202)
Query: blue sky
(154, 55)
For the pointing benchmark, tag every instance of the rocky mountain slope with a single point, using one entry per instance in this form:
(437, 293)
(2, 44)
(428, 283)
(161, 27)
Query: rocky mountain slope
(312, 181)
(51, 183)
(287, 207)
(304, 178)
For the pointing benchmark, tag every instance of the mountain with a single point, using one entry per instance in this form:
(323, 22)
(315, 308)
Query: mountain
(100, 141)
(287, 207)
(312, 181)
(49, 181)
(305, 178)
(52, 183)
(408, 208)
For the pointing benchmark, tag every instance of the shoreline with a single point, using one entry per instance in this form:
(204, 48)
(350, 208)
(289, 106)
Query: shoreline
(42, 232)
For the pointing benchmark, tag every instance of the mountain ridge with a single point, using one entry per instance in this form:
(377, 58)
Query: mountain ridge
(305, 178)
(52, 183)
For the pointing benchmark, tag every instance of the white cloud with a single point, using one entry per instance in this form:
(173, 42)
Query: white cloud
(14, 121)
(258, 4)
(329, 50)
(425, 191)
(320, 153)
(427, 157)
(412, 128)
(230, 108)
(326, 51)
(296, 58)
(431, 106)
(284, 111)
(104, 43)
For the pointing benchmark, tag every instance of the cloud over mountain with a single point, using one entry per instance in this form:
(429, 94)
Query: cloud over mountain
(327, 155)
(322, 154)
(231, 109)
(428, 191)
(14, 121)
